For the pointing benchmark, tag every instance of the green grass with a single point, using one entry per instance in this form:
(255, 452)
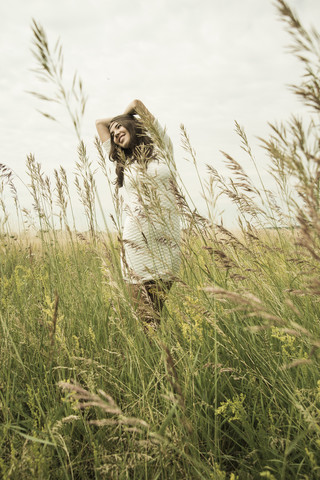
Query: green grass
(218, 397)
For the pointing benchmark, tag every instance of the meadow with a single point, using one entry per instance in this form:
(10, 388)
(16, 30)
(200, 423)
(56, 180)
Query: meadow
(228, 386)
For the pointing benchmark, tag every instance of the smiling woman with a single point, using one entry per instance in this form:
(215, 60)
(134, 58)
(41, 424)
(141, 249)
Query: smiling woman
(151, 234)
(119, 134)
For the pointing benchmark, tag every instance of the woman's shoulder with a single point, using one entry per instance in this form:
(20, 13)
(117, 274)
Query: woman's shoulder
(162, 138)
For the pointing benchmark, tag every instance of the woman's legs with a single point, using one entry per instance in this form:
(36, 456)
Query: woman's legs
(149, 299)
(157, 292)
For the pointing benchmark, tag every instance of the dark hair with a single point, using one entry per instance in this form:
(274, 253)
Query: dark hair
(138, 138)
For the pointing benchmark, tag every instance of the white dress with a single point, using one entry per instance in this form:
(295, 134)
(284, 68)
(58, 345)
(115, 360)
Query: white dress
(151, 233)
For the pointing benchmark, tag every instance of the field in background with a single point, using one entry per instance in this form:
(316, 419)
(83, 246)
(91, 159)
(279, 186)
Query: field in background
(228, 387)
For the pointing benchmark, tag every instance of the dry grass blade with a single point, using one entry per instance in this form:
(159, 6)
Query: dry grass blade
(87, 399)
(297, 363)
(50, 66)
(106, 403)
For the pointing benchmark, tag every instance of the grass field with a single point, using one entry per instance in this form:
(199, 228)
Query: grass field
(228, 387)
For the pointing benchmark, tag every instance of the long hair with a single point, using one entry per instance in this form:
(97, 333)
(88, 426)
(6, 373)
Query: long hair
(139, 149)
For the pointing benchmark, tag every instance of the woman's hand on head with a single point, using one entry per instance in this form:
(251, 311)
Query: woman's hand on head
(133, 107)
(138, 108)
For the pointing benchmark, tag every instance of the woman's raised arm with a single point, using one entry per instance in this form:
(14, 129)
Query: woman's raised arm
(102, 127)
(137, 107)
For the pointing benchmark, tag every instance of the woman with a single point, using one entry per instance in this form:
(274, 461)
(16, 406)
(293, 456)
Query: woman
(151, 235)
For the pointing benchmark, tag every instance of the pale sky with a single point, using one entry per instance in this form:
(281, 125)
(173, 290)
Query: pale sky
(204, 64)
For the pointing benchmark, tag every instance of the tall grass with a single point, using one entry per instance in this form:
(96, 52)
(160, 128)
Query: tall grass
(228, 387)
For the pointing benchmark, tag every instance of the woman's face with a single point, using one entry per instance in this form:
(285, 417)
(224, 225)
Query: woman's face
(120, 135)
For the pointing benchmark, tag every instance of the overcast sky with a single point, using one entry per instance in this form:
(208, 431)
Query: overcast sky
(204, 64)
